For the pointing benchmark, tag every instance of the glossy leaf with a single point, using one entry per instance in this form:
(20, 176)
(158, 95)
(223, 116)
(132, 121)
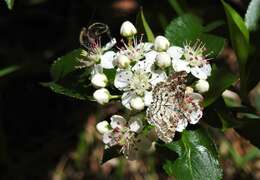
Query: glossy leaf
(10, 4)
(185, 28)
(65, 64)
(189, 28)
(252, 17)
(143, 26)
(219, 81)
(75, 85)
(198, 158)
(214, 44)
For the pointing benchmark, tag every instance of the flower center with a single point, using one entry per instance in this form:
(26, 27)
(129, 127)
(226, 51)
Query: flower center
(194, 54)
(140, 82)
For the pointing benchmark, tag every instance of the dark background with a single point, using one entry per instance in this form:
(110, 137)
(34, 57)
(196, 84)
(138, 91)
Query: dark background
(38, 126)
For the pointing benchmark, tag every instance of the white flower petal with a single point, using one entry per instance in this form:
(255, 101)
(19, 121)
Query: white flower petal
(147, 47)
(193, 109)
(181, 125)
(122, 79)
(150, 56)
(109, 45)
(148, 98)
(145, 65)
(135, 124)
(175, 52)
(126, 99)
(107, 138)
(157, 76)
(180, 65)
(117, 122)
(198, 73)
(207, 69)
(107, 60)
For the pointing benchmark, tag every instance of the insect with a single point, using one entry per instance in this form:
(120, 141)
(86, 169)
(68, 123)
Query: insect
(90, 38)
(170, 106)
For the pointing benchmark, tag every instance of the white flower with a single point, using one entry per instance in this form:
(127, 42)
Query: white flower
(136, 50)
(137, 103)
(95, 53)
(136, 82)
(127, 29)
(231, 98)
(99, 80)
(117, 122)
(202, 86)
(192, 108)
(102, 96)
(102, 127)
(126, 135)
(161, 43)
(163, 60)
(190, 59)
(123, 61)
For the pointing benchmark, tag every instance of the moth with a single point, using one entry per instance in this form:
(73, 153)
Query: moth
(90, 38)
(171, 106)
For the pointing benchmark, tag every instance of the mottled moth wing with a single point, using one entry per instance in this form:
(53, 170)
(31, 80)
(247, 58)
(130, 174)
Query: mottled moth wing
(164, 112)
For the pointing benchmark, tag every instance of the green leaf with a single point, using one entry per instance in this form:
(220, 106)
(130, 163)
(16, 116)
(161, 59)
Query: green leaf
(252, 16)
(75, 85)
(213, 25)
(8, 70)
(10, 4)
(239, 35)
(183, 29)
(198, 158)
(66, 64)
(189, 28)
(110, 74)
(143, 26)
(219, 81)
(214, 44)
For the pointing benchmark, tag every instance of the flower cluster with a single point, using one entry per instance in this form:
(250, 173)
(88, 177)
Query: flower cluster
(140, 68)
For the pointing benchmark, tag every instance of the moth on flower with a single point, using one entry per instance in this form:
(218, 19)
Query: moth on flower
(94, 52)
(172, 109)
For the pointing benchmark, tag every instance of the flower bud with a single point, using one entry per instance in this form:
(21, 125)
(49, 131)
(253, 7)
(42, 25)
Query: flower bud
(161, 43)
(123, 61)
(127, 29)
(101, 96)
(102, 127)
(99, 80)
(188, 90)
(254, 97)
(135, 124)
(163, 60)
(202, 86)
(231, 98)
(137, 103)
